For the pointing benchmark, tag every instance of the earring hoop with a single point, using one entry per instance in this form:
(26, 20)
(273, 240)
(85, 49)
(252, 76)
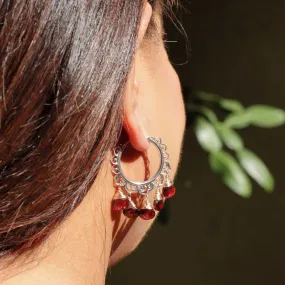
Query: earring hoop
(162, 167)
(160, 182)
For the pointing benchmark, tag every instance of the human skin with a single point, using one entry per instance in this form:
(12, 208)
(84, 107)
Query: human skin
(93, 238)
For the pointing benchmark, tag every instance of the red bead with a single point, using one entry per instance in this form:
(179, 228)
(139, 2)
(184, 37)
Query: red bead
(158, 205)
(147, 214)
(131, 213)
(120, 204)
(169, 192)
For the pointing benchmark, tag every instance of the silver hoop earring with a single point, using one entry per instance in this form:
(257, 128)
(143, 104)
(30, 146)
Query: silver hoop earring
(160, 183)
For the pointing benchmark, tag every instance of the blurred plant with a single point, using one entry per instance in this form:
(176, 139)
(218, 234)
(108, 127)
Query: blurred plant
(216, 120)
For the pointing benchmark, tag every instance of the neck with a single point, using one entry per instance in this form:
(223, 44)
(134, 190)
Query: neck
(77, 252)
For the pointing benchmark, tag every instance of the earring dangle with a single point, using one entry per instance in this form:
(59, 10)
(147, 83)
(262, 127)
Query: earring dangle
(126, 189)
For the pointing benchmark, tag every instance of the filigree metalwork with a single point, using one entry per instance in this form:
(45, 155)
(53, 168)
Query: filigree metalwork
(145, 187)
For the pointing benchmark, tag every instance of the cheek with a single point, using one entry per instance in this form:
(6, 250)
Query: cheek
(128, 237)
(169, 114)
(174, 110)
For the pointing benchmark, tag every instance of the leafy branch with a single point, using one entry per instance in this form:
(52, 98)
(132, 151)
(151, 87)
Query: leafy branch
(216, 121)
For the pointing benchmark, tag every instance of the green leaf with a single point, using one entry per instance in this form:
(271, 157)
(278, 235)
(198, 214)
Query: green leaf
(208, 113)
(207, 135)
(255, 167)
(238, 120)
(231, 105)
(230, 137)
(210, 97)
(266, 116)
(232, 174)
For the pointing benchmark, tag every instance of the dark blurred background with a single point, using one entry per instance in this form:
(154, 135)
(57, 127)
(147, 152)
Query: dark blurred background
(214, 236)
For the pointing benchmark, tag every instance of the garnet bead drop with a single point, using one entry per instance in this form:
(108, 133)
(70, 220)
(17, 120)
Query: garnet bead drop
(120, 204)
(147, 214)
(158, 205)
(169, 192)
(131, 213)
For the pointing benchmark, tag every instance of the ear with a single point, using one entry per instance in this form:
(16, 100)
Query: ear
(132, 124)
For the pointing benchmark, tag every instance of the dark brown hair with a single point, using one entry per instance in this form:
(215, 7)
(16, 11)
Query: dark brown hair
(64, 64)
